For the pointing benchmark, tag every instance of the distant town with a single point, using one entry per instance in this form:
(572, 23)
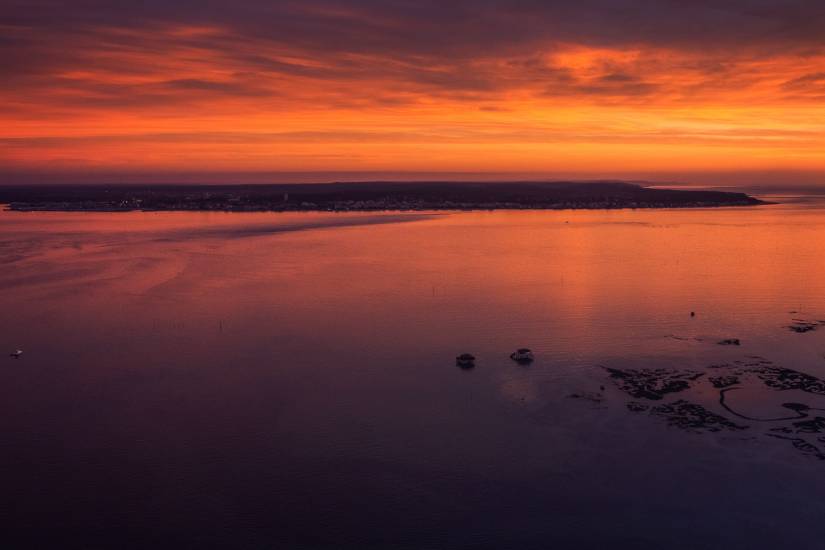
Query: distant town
(362, 196)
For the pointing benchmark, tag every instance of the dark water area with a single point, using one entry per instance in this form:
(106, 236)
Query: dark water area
(211, 380)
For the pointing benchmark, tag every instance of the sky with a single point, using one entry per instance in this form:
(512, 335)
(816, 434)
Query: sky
(705, 91)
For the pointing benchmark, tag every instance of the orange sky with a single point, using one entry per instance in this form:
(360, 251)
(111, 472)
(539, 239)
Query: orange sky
(241, 88)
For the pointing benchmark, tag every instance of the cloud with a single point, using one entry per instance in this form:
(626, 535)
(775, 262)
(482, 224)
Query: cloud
(250, 83)
(467, 49)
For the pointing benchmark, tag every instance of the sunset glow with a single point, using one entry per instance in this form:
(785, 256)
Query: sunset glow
(527, 87)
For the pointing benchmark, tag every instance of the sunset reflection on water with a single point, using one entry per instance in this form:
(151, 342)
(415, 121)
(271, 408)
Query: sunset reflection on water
(211, 371)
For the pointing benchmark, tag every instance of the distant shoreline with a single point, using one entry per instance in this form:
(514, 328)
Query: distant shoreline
(363, 197)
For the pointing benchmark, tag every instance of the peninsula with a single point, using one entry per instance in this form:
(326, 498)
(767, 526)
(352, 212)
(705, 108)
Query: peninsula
(363, 196)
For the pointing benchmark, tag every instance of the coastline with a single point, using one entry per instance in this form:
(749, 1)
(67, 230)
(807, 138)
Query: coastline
(366, 197)
(14, 207)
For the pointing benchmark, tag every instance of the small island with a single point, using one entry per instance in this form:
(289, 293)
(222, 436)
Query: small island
(363, 196)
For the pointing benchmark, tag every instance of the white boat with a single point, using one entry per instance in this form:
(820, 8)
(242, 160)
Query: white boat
(16, 353)
(522, 355)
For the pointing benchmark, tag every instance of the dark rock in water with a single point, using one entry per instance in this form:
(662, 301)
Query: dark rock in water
(783, 429)
(802, 445)
(635, 406)
(722, 382)
(465, 361)
(652, 383)
(805, 432)
(594, 397)
(781, 378)
(808, 448)
(802, 325)
(813, 426)
(729, 342)
(693, 418)
(798, 407)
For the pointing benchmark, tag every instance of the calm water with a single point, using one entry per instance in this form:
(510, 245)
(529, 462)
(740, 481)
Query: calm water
(200, 380)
